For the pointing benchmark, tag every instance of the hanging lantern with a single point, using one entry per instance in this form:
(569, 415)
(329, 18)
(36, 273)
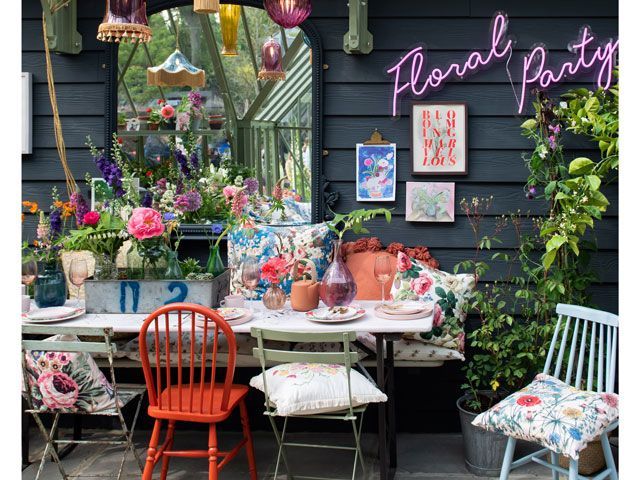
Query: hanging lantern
(175, 71)
(288, 13)
(206, 6)
(125, 20)
(271, 61)
(229, 18)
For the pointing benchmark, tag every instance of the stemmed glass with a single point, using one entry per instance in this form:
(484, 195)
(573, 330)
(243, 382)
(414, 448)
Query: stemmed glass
(250, 274)
(78, 273)
(29, 272)
(382, 272)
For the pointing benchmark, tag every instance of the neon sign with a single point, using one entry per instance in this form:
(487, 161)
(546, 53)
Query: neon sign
(534, 65)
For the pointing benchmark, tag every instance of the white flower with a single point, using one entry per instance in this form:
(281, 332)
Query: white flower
(125, 212)
(238, 181)
(563, 104)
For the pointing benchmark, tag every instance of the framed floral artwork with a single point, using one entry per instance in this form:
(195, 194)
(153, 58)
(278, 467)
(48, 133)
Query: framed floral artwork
(439, 138)
(376, 172)
(430, 202)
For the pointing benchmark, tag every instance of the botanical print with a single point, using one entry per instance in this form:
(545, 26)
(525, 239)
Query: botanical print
(439, 136)
(376, 172)
(313, 242)
(430, 202)
(67, 381)
(554, 414)
(448, 293)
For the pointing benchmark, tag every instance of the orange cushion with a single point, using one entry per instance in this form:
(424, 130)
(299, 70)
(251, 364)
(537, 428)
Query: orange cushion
(361, 267)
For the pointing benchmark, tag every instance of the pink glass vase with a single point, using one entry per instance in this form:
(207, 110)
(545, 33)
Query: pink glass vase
(338, 288)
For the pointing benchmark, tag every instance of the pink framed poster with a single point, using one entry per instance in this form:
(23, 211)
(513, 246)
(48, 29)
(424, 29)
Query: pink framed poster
(430, 202)
(439, 138)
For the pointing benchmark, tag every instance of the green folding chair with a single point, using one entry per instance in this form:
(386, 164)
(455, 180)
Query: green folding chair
(346, 357)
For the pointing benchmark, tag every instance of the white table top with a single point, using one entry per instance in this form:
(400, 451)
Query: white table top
(286, 320)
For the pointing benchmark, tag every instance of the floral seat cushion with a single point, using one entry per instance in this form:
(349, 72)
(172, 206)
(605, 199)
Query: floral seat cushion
(449, 293)
(67, 381)
(553, 414)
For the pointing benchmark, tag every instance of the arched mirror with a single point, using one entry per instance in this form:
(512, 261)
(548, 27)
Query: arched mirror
(222, 106)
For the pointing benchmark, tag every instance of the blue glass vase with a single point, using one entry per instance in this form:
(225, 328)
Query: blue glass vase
(50, 287)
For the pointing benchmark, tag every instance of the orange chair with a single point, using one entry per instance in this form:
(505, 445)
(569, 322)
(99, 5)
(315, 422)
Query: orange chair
(193, 399)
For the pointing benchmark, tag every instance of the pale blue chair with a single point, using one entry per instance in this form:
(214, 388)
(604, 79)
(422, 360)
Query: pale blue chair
(593, 335)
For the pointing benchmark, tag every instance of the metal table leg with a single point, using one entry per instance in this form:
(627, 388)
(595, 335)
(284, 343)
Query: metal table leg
(386, 411)
(391, 406)
(382, 409)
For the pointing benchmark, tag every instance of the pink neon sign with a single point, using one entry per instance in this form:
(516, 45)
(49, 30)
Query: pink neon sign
(534, 65)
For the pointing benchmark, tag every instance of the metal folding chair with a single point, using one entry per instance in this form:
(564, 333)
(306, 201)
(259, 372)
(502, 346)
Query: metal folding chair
(123, 394)
(346, 358)
(593, 335)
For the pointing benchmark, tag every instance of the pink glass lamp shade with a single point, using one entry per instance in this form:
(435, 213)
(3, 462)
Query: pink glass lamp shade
(288, 13)
(271, 61)
(125, 20)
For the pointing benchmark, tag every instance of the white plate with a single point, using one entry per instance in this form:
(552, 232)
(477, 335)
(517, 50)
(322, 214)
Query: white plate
(403, 308)
(231, 313)
(246, 317)
(49, 313)
(354, 314)
(333, 313)
(75, 312)
(426, 311)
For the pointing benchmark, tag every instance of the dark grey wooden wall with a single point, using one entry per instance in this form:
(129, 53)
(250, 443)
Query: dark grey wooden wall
(356, 100)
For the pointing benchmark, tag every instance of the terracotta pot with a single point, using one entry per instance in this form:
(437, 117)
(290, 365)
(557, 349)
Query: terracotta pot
(305, 294)
(153, 126)
(216, 122)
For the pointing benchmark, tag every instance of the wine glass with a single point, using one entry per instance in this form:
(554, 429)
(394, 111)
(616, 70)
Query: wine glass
(78, 273)
(382, 271)
(29, 272)
(250, 274)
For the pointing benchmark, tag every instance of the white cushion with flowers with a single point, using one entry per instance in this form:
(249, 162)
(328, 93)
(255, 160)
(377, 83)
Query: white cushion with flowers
(448, 292)
(552, 414)
(67, 381)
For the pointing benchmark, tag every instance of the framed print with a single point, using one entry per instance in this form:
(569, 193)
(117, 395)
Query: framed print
(430, 202)
(439, 138)
(376, 172)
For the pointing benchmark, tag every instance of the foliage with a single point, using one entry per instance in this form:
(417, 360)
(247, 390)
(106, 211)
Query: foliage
(342, 223)
(190, 266)
(104, 238)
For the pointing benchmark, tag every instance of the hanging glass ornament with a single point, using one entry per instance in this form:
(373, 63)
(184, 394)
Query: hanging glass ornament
(206, 6)
(124, 21)
(271, 61)
(229, 18)
(288, 13)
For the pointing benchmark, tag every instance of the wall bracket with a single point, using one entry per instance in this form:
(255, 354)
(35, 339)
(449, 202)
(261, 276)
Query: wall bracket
(358, 40)
(62, 25)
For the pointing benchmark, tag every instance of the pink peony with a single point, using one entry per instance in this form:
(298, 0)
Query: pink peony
(438, 317)
(421, 285)
(167, 112)
(368, 162)
(404, 262)
(58, 390)
(145, 223)
(91, 218)
(229, 191)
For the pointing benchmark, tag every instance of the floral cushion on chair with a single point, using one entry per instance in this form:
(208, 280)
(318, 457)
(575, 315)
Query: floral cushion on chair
(449, 293)
(553, 414)
(67, 381)
(312, 242)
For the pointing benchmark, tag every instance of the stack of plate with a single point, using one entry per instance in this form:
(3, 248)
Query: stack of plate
(404, 310)
(51, 314)
(335, 314)
(232, 315)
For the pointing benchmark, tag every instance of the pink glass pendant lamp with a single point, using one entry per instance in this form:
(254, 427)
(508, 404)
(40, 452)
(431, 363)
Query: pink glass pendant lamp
(271, 61)
(124, 21)
(288, 13)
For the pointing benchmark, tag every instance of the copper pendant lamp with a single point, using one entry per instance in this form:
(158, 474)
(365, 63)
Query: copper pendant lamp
(124, 21)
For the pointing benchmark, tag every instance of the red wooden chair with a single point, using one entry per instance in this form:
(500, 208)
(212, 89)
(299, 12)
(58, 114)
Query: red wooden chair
(197, 398)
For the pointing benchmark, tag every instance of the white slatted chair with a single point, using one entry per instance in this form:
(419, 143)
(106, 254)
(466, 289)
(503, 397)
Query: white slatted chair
(597, 331)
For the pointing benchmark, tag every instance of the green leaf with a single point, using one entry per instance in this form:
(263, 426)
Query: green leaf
(551, 186)
(529, 124)
(555, 242)
(440, 292)
(592, 105)
(593, 181)
(581, 166)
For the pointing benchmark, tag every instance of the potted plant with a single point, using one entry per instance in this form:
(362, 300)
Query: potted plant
(122, 120)
(216, 122)
(154, 119)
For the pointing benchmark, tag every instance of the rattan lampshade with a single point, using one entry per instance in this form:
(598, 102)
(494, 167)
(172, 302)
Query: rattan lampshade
(125, 20)
(206, 6)
(175, 71)
(229, 18)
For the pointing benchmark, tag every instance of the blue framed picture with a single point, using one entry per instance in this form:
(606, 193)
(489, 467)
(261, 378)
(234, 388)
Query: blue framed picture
(376, 172)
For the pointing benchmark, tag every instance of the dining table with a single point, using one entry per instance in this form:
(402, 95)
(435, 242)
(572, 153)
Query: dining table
(385, 331)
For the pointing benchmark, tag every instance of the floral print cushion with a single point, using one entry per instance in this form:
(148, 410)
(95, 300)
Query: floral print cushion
(312, 242)
(553, 414)
(67, 381)
(309, 388)
(449, 293)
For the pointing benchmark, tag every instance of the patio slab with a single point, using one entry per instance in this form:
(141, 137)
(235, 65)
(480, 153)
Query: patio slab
(421, 456)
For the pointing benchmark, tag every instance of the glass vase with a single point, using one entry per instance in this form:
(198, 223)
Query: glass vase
(214, 263)
(173, 271)
(105, 268)
(134, 264)
(274, 298)
(50, 286)
(338, 287)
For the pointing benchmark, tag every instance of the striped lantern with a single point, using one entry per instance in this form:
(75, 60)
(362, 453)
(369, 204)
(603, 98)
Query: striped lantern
(288, 13)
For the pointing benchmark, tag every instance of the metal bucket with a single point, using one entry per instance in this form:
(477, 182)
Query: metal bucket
(483, 450)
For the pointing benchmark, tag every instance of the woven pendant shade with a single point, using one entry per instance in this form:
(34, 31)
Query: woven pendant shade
(176, 71)
(229, 18)
(271, 61)
(206, 6)
(124, 21)
(288, 13)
